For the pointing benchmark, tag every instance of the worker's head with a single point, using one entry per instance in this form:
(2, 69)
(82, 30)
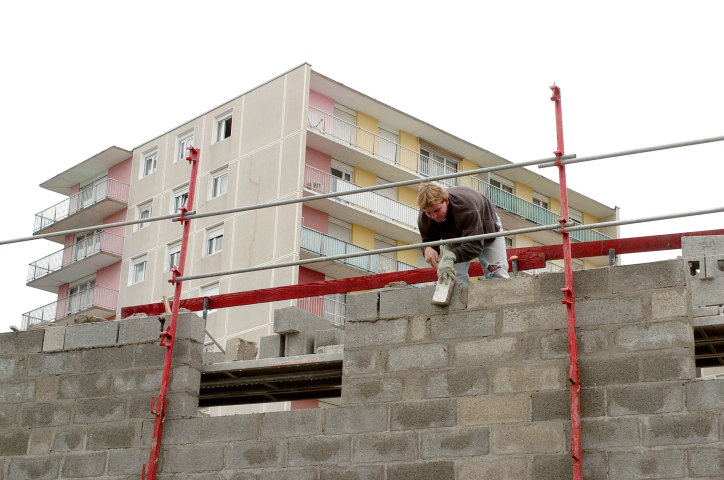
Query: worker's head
(433, 199)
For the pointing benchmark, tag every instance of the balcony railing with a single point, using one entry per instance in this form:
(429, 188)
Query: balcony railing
(323, 182)
(386, 150)
(101, 241)
(100, 297)
(329, 307)
(109, 188)
(320, 244)
(549, 268)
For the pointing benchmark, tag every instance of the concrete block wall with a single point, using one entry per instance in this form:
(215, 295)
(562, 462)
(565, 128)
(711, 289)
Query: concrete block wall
(475, 390)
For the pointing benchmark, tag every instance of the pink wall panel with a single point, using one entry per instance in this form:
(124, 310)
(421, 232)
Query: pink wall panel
(321, 102)
(75, 189)
(315, 219)
(116, 217)
(309, 276)
(110, 276)
(121, 171)
(62, 292)
(320, 161)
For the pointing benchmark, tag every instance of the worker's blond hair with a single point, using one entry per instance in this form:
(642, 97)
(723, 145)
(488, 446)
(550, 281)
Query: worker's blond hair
(431, 193)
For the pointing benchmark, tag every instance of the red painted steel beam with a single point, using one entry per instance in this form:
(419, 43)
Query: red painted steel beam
(528, 258)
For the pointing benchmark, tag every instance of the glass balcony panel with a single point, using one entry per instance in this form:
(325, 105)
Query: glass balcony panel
(93, 297)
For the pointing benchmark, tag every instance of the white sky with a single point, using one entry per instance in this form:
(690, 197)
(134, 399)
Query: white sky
(78, 77)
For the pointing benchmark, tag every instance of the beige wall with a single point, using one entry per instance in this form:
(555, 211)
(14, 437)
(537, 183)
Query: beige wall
(407, 256)
(408, 158)
(407, 196)
(365, 140)
(523, 191)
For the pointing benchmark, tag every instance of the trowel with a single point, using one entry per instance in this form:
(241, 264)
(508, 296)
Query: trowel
(443, 291)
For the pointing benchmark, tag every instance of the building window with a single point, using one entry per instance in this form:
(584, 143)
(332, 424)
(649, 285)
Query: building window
(183, 144)
(219, 183)
(509, 242)
(180, 197)
(500, 183)
(138, 271)
(144, 211)
(174, 253)
(215, 241)
(576, 216)
(149, 164)
(209, 291)
(541, 202)
(223, 127)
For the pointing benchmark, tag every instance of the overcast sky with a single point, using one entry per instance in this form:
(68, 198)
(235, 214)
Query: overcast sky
(79, 77)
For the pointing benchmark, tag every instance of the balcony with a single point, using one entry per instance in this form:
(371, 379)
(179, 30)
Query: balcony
(329, 307)
(369, 209)
(75, 261)
(87, 207)
(315, 244)
(97, 301)
(549, 268)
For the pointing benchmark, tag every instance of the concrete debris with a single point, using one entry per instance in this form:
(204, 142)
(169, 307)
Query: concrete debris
(42, 325)
(138, 315)
(298, 333)
(82, 319)
(240, 349)
(210, 358)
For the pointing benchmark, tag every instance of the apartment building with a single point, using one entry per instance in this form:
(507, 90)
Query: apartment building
(296, 135)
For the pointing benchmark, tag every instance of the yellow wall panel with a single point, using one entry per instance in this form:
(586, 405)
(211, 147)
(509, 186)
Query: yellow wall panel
(363, 237)
(366, 141)
(554, 205)
(407, 256)
(464, 167)
(523, 241)
(408, 159)
(363, 178)
(588, 219)
(524, 192)
(588, 265)
(407, 196)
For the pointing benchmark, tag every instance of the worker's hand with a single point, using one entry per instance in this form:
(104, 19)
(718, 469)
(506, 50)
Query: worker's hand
(432, 257)
(445, 269)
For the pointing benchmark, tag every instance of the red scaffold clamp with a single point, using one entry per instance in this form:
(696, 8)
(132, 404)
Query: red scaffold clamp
(193, 154)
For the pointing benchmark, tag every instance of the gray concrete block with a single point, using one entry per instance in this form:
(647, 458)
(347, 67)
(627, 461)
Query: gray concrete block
(104, 359)
(182, 405)
(319, 451)
(326, 338)
(45, 415)
(489, 294)
(301, 343)
(551, 406)
(416, 301)
(100, 410)
(531, 318)
(464, 324)
(356, 472)
(308, 473)
(133, 381)
(295, 320)
(140, 406)
(17, 392)
(58, 363)
(371, 390)
(15, 443)
(292, 424)
(126, 461)
(330, 349)
(185, 459)
(439, 470)
(488, 351)
(595, 466)
(586, 284)
(425, 414)
(591, 340)
(672, 365)
(680, 429)
(190, 326)
(424, 356)
(711, 311)
(229, 428)
(654, 336)
(185, 352)
(54, 339)
(180, 431)
(139, 330)
(554, 345)
(270, 347)
(669, 303)
(382, 332)
(705, 395)
(69, 439)
(40, 441)
(647, 276)
(492, 409)
(504, 468)
(8, 416)
(47, 389)
(609, 370)
(646, 398)
(549, 375)
(356, 420)
(362, 307)
(458, 442)
(702, 245)
(593, 403)
(456, 383)
(385, 447)
(706, 461)
(85, 386)
(84, 464)
(552, 467)
(608, 311)
(647, 464)
(185, 379)
(604, 433)
(8, 368)
(254, 455)
(210, 358)
(240, 349)
(30, 341)
(91, 335)
(34, 468)
(539, 437)
(361, 361)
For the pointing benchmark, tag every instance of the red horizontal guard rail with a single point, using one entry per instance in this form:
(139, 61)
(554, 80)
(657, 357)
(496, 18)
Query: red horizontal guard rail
(528, 258)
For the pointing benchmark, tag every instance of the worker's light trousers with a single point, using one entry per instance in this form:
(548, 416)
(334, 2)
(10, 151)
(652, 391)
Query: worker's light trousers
(493, 254)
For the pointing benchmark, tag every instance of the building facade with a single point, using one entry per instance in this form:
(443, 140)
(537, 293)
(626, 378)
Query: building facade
(299, 134)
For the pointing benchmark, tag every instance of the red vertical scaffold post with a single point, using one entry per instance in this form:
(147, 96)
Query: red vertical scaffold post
(574, 376)
(168, 335)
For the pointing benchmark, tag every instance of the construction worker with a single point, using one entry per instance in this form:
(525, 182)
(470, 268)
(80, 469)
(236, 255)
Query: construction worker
(460, 212)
